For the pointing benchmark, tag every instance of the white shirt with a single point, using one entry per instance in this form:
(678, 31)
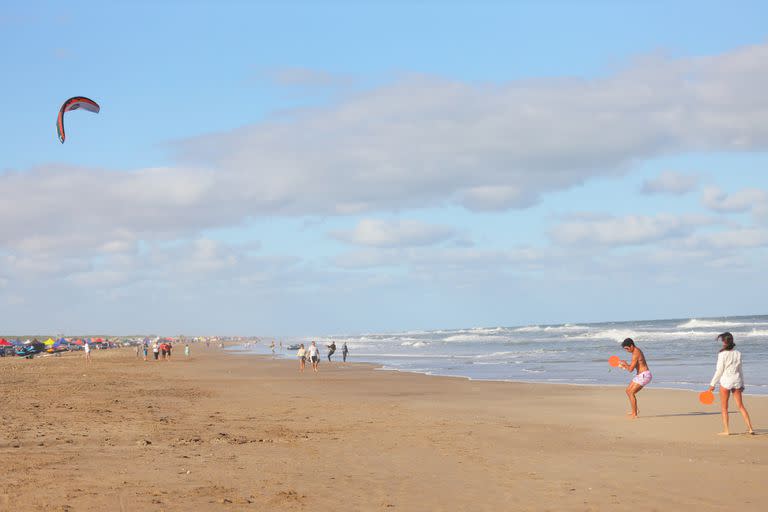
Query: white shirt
(87, 347)
(312, 351)
(728, 371)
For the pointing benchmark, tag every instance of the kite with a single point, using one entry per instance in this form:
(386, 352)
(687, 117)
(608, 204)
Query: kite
(74, 104)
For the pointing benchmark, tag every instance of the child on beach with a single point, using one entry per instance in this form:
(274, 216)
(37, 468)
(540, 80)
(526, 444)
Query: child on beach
(643, 377)
(731, 379)
(344, 351)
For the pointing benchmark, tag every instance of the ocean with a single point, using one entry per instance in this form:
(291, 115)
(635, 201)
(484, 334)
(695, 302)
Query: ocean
(681, 353)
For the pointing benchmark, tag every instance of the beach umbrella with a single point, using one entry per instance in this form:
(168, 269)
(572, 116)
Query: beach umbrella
(78, 342)
(5, 343)
(49, 342)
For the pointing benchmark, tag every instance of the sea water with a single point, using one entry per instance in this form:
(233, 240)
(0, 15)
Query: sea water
(681, 353)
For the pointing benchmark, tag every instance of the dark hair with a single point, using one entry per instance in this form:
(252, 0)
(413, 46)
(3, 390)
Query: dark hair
(728, 339)
(627, 343)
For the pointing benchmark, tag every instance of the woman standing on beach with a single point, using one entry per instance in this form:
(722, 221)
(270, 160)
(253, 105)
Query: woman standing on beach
(87, 348)
(302, 355)
(731, 379)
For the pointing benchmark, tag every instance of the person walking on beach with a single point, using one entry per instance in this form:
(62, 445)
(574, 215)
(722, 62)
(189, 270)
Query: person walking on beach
(643, 377)
(145, 347)
(186, 350)
(302, 355)
(331, 350)
(272, 346)
(155, 349)
(731, 379)
(344, 351)
(314, 356)
(87, 348)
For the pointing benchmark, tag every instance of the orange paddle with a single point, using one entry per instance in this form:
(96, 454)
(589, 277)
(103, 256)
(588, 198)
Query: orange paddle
(613, 361)
(706, 397)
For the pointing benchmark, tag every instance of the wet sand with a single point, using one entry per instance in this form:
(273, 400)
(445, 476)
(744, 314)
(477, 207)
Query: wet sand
(221, 431)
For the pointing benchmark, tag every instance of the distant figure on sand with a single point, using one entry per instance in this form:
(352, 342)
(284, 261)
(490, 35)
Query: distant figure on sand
(186, 350)
(731, 379)
(331, 350)
(87, 348)
(314, 356)
(344, 351)
(643, 377)
(272, 346)
(155, 350)
(302, 355)
(145, 349)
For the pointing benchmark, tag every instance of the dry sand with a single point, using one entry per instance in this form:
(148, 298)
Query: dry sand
(231, 432)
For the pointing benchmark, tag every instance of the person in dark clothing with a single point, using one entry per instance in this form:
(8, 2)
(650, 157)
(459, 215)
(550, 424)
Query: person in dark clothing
(331, 350)
(344, 351)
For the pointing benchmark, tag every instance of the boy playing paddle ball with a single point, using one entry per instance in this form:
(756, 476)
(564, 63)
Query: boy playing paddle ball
(643, 377)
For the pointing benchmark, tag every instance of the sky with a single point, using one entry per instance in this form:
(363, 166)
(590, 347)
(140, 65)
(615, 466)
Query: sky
(307, 168)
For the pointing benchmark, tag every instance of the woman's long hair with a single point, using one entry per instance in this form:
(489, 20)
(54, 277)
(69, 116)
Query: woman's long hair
(728, 339)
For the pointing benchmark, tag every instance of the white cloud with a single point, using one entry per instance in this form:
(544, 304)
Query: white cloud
(450, 259)
(670, 182)
(629, 230)
(396, 233)
(741, 237)
(426, 141)
(748, 199)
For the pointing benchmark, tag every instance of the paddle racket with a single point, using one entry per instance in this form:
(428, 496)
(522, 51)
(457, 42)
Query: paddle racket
(613, 361)
(706, 397)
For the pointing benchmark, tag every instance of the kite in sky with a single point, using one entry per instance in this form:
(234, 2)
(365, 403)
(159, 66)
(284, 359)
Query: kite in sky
(74, 104)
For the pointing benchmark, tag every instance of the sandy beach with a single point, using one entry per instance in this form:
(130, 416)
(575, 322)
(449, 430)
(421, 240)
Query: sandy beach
(222, 431)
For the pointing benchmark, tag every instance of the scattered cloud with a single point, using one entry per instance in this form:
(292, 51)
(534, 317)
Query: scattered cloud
(747, 200)
(395, 233)
(425, 141)
(670, 182)
(629, 230)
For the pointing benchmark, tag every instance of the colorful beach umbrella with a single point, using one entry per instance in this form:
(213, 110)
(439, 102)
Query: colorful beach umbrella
(5, 343)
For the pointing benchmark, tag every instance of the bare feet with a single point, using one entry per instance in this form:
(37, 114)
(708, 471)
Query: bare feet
(724, 433)
(751, 432)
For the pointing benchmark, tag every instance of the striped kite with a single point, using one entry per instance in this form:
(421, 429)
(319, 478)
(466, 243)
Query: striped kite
(74, 104)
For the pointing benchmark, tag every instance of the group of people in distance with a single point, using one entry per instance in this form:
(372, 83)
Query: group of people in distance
(728, 374)
(160, 350)
(313, 354)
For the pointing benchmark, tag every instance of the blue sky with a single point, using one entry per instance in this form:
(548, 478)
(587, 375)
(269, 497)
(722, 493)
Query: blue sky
(317, 167)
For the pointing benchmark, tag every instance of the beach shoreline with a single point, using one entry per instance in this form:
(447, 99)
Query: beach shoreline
(220, 431)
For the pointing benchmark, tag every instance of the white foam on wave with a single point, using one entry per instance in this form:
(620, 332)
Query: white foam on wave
(754, 333)
(620, 335)
(413, 344)
(474, 337)
(552, 328)
(695, 323)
